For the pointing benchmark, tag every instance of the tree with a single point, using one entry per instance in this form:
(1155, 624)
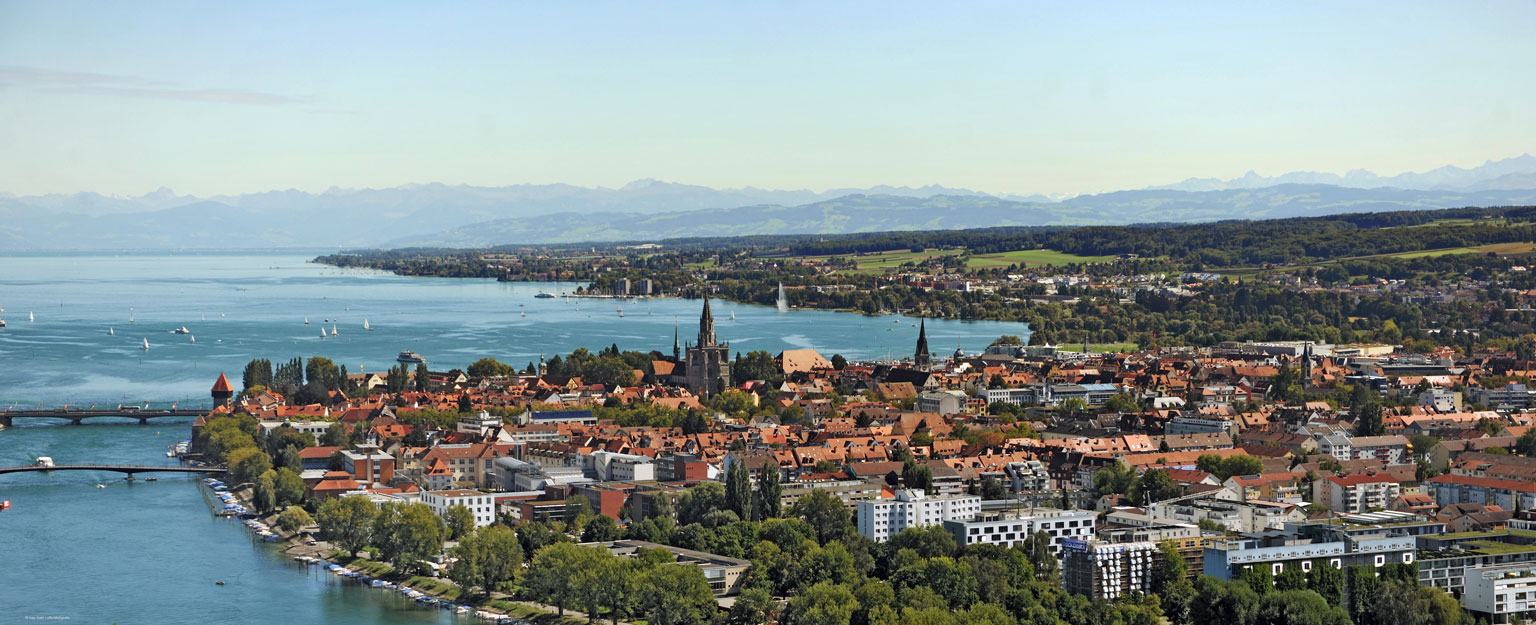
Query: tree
(1328, 582)
(489, 368)
(347, 522)
(265, 493)
(459, 521)
(290, 487)
(839, 362)
(676, 595)
(601, 528)
(699, 500)
(738, 490)
(1367, 419)
(423, 377)
(1114, 479)
(294, 518)
(487, 557)
(323, 372)
(554, 569)
(825, 513)
(1155, 486)
(756, 365)
(335, 435)
(1170, 582)
(407, 533)
(754, 606)
(1525, 445)
(991, 489)
(465, 405)
(917, 477)
(823, 604)
(1038, 549)
(1298, 607)
(769, 496)
(1221, 601)
(247, 464)
(1408, 603)
(1362, 586)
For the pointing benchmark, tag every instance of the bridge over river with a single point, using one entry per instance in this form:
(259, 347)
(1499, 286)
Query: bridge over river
(119, 468)
(76, 415)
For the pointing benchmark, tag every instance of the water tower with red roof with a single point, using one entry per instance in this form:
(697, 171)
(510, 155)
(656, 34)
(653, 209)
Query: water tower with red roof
(222, 391)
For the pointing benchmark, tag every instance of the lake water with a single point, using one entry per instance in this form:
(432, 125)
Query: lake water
(247, 305)
(149, 552)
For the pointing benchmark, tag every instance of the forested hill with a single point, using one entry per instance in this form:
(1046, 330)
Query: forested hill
(873, 213)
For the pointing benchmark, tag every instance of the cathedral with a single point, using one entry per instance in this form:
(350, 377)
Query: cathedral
(709, 362)
(922, 359)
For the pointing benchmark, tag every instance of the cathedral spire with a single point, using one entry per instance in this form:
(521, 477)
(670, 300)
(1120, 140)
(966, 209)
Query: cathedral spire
(921, 357)
(677, 349)
(706, 326)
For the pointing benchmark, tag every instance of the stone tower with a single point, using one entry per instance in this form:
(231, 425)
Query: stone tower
(222, 391)
(709, 362)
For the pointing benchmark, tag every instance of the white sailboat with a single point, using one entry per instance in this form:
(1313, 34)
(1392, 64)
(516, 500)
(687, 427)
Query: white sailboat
(111, 332)
(524, 313)
(366, 326)
(31, 318)
(146, 345)
(733, 315)
(194, 339)
(322, 333)
(333, 330)
(306, 321)
(130, 317)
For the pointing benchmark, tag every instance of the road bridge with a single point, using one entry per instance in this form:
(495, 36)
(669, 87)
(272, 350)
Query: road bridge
(76, 416)
(130, 469)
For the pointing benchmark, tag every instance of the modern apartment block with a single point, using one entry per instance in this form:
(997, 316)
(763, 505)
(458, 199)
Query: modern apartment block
(880, 519)
(1107, 570)
(1013, 526)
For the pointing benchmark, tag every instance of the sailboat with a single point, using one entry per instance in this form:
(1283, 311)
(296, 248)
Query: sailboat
(733, 315)
(306, 321)
(322, 333)
(111, 332)
(333, 330)
(130, 317)
(366, 326)
(146, 345)
(31, 318)
(194, 339)
(523, 314)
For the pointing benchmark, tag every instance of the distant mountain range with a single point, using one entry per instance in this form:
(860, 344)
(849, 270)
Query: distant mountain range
(1511, 173)
(466, 216)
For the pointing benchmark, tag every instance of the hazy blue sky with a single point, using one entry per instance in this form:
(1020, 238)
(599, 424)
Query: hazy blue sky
(216, 97)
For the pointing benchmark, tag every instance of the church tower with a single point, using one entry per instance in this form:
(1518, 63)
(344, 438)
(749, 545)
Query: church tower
(222, 391)
(921, 359)
(709, 362)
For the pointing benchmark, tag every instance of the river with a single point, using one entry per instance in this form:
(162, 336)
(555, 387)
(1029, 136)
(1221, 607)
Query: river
(145, 552)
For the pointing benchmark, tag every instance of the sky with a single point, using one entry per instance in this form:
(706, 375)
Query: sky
(1007, 97)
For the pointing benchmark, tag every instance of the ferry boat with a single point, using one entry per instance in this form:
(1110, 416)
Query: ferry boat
(409, 356)
(545, 295)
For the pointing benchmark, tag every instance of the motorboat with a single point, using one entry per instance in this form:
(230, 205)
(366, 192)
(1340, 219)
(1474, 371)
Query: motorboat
(409, 356)
(44, 461)
(181, 330)
(306, 321)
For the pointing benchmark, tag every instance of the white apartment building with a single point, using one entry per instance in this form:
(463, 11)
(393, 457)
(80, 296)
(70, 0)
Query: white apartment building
(1501, 593)
(880, 519)
(482, 505)
(1012, 527)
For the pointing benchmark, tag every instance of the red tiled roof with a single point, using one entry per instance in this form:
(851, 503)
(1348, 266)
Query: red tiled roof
(222, 386)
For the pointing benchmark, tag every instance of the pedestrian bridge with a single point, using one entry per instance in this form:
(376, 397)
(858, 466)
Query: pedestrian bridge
(120, 468)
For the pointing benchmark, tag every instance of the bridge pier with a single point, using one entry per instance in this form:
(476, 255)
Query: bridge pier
(143, 420)
(76, 421)
(5, 421)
